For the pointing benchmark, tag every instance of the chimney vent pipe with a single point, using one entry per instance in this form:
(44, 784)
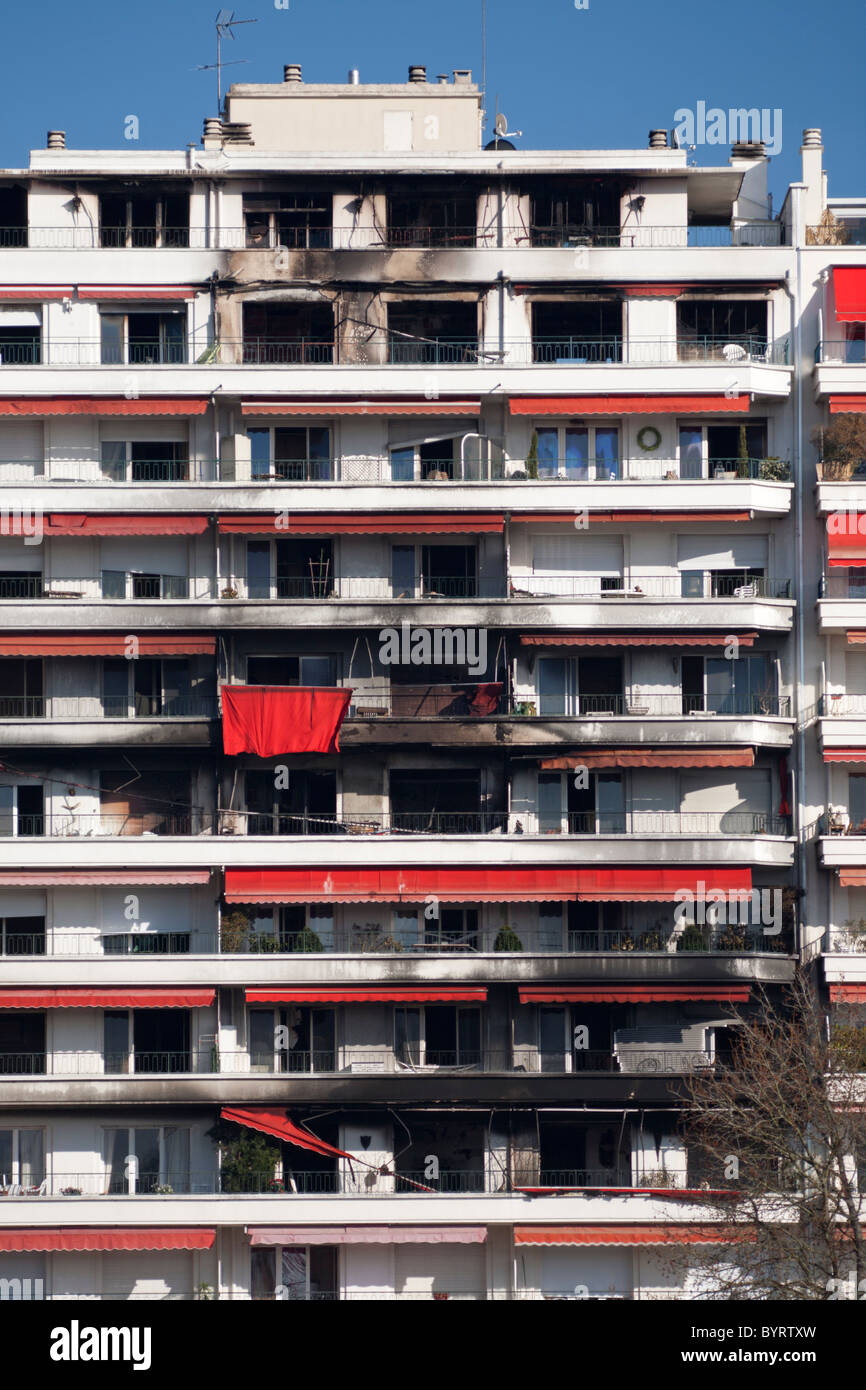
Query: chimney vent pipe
(658, 140)
(57, 139)
(292, 73)
(417, 74)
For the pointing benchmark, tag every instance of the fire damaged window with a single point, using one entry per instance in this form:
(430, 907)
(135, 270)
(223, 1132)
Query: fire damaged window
(575, 215)
(292, 1040)
(297, 221)
(727, 329)
(287, 334)
(139, 217)
(576, 1154)
(438, 1035)
(307, 806)
(446, 802)
(458, 1144)
(430, 221)
(577, 332)
(13, 215)
(432, 332)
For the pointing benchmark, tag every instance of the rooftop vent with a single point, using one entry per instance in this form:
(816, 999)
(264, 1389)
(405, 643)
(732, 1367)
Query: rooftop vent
(237, 132)
(57, 139)
(354, 77)
(462, 76)
(292, 73)
(658, 139)
(812, 138)
(749, 149)
(417, 74)
(442, 78)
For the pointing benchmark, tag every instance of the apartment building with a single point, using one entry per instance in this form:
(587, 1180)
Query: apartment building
(418, 585)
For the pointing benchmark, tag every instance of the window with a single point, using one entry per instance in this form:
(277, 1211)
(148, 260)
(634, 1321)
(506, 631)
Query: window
(857, 803)
(438, 1035)
(577, 332)
(302, 454)
(436, 571)
(152, 337)
(436, 460)
(587, 686)
(855, 342)
(146, 1160)
(575, 215)
(21, 681)
(291, 670)
(145, 462)
(292, 1040)
(445, 802)
(571, 565)
(22, 1159)
(158, 943)
(705, 328)
(22, 1043)
(13, 215)
(454, 929)
(709, 451)
(123, 584)
(146, 688)
(20, 336)
(22, 810)
(307, 806)
(432, 331)
(155, 803)
(297, 221)
(581, 453)
(576, 1038)
(295, 1273)
(16, 583)
(142, 219)
(294, 927)
(714, 685)
(288, 334)
(566, 808)
(153, 1041)
(722, 567)
(290, 569)
(428, 220)
(22, 936)
(595, 926)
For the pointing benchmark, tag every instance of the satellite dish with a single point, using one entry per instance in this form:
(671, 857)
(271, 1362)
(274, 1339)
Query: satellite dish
(501, 124)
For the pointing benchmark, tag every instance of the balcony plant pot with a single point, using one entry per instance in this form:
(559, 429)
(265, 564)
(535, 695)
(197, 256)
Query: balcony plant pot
(70, 1192)
(692, 939)
(652, 940)
(507, 940)
(228, 593)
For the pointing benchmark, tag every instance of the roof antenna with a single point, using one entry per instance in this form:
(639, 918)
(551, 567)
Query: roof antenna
(225, 22)
(483, 66)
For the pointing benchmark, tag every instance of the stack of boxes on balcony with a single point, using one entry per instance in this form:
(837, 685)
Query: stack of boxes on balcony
(397, 582)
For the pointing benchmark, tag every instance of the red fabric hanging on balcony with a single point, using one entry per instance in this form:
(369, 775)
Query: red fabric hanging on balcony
(272, 719)
(277, 1124)
(849, 287)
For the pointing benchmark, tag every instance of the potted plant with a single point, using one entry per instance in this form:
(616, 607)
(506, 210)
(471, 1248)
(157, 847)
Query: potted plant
(692, 939)
(309, 942)
(532, 458)
(234, 927)
(507, 939)
(70, 1191)
(229, 592)
(652, 940)
(204, 1292)
(774, 469)
(162, 1189)
(842, 446)
(733, 939)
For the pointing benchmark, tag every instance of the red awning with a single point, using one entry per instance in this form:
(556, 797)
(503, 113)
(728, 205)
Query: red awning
(629, 405)
(652, 757)
(382, 885)
(849, 287)
(36, 294)
(846, 538)
(620, 518)
(277, 1124)
(857, 639)
(102, 405)
(155, 644)
(845, 755)
(651, 291)
(271, 719)
(633, 639)
(150, 524)
(387, 408)
(633, 994)
(367, 1235)
(848, 994)
(369, 994)
(85, 997)
(91, 878)
(39, 1238)
(649, 885)
(621, 1235)
(852, 878)
(357, 524)
(847, 405)
(137, 292)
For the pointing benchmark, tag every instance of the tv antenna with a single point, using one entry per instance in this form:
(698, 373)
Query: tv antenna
(225, 23)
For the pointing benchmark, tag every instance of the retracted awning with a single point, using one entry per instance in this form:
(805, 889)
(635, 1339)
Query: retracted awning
(627, 404)
(623, 517)
(847, 405)
(279, 1126)
(367, 1235)
(845, 755)
(369, 994)
(857, 639)
(128, 645)
(848, 994)
(358, 524)
(269, 720)
(399, 885)
(633, 994)
(144, 524)
(35, 294)
(634, 639)
(38, 1238)
(849, 288)
(661, 885)
(130, 293)
(652, 757)
(85, 997)
(102, 405)
(846, 539)
(382, 408)
(91, 878)
(622, 1235)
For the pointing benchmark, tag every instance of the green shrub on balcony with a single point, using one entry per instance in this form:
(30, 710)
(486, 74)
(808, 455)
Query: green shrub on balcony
(507, 940)
(692, 939)
(308, 941)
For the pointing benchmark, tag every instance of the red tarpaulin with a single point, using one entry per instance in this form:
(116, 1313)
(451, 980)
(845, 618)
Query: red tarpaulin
(83, 997)
(273, 719)
(277, 1124)
(369, 994)
(106, 1238)
(375, 885)
(633, 994)
(849, 286)
(629, 405)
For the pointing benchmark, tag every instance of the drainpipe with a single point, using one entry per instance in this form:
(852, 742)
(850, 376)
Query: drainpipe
(501, 281)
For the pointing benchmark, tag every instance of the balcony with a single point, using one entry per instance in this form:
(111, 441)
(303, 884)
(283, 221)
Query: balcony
(840, 366)
(81, 721)
(841, 595)
(842, 721)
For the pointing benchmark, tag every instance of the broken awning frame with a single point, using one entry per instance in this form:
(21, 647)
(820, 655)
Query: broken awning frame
(277, 1124)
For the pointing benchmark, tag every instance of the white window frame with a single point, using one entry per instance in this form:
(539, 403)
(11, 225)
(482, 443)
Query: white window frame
(16, 786)
(593, 474)
(131, 1131)
(13, 1179)
(422, 1035)
(279, 1053)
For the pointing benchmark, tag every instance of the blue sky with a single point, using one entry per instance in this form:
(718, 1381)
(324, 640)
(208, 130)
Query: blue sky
(568, 78)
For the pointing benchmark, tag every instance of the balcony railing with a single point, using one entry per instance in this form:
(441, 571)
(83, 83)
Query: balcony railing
(85, 707)
(458, 701)
(842, 705)
(844, 582)
(851, 351)
(635, 705)
(736, 585)
(471, 237)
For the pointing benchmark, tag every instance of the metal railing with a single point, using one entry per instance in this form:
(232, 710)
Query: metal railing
(463, 700)
(830, 706)
(849, 350)
(734, 585)
(85, 707)
(847, 581)
(635, 705)
(113, 585)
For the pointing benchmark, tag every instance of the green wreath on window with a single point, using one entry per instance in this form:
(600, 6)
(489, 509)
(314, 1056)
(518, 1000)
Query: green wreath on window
(649, 439)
